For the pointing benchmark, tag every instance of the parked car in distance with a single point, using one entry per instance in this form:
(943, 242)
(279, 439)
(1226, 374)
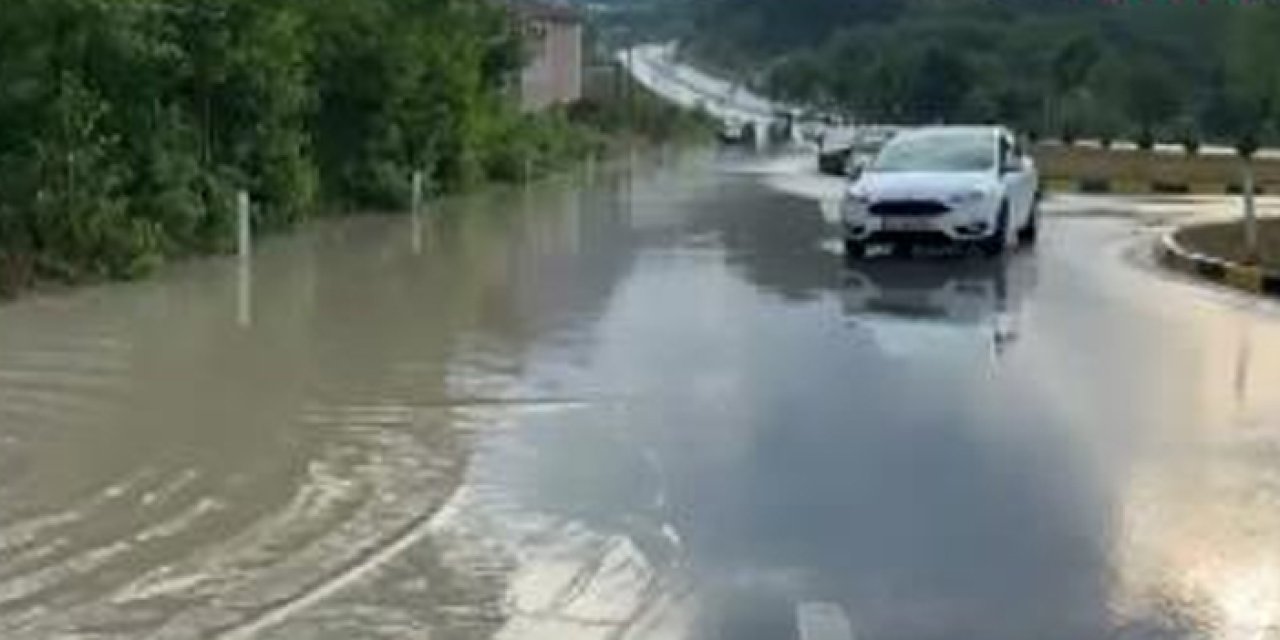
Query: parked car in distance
(958, 185)
(834, 161)
(735, 133)
(845, 153)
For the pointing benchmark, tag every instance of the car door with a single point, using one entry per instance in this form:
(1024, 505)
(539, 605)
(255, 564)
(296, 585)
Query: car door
(1018, 176)
(1028, 177)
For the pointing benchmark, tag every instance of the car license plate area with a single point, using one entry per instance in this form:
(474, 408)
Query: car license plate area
(906, 224)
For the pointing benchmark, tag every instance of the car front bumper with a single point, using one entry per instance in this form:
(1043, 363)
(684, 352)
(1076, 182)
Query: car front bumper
(961, 224)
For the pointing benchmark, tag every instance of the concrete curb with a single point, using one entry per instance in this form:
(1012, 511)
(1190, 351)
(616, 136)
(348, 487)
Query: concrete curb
(1225, 272)
(1153, 187)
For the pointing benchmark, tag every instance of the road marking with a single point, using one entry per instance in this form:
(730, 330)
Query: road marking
(823, 621)
(326, 588)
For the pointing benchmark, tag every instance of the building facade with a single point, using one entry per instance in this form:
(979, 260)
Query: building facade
(553, 71)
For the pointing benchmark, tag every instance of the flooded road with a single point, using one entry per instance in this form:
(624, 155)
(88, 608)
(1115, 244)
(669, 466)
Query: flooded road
(643, 402)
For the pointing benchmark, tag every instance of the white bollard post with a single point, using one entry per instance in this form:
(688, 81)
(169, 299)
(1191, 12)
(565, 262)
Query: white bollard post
(244, 298)
(244, 293)
(415, 212)
(244, 224)
(416, 196)
(1250, 215)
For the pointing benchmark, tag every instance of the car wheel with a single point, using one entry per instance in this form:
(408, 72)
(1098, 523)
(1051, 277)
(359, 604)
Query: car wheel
(995, 246)
(1029, 234)
(854, 250)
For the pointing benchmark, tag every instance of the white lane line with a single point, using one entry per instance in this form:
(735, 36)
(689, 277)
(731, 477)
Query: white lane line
(360, 568)
(823, 621)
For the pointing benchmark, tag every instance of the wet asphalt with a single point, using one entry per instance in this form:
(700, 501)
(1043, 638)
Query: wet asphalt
(647, 400)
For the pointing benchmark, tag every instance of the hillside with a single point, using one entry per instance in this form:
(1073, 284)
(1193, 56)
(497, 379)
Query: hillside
(1057, 67)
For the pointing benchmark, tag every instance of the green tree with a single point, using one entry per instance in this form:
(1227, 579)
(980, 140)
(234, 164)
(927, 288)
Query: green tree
(1151, 98)
(126, 126)
(940, 82)
(1038, 68)
(1071, 65)
(1250, 101)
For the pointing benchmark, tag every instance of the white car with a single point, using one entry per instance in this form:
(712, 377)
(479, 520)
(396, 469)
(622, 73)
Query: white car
(970, 185)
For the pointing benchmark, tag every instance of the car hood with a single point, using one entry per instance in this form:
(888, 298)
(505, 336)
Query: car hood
(913, 185)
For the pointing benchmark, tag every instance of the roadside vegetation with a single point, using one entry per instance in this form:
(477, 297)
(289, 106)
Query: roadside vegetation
(1129, 170)
(127, 126)
(1177, 72)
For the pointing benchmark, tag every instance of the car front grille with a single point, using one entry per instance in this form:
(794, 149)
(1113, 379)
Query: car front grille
(909, 208)
(918, 309)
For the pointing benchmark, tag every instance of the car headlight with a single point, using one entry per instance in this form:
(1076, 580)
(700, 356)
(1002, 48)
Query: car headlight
(968, 197)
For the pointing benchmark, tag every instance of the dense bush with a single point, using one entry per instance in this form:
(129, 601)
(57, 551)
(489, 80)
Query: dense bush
(640, 114)
(534, 145)
(126, 126)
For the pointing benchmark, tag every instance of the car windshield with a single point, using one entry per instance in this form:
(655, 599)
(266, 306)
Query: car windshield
(937, 151)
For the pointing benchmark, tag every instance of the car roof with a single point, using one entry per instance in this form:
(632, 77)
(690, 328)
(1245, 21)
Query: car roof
(994, 132)
(974, 129)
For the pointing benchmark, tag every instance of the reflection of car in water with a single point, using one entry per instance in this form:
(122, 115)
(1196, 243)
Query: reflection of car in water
(835, 509)
(948, 294)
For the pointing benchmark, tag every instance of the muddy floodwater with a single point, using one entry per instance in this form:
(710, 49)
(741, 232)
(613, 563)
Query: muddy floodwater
(646, 400)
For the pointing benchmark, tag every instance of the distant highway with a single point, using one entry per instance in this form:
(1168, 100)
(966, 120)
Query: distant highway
(655, 67)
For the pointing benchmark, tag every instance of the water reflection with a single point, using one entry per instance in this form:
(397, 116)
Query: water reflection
(653, 407)
(907, 301)
(758, 430)
(775, 241)
(244, 291)
(181, 453)
(740, 456)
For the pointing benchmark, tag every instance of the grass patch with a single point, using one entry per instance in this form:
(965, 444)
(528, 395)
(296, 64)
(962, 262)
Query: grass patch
(1172, 172)
(1225, 240)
